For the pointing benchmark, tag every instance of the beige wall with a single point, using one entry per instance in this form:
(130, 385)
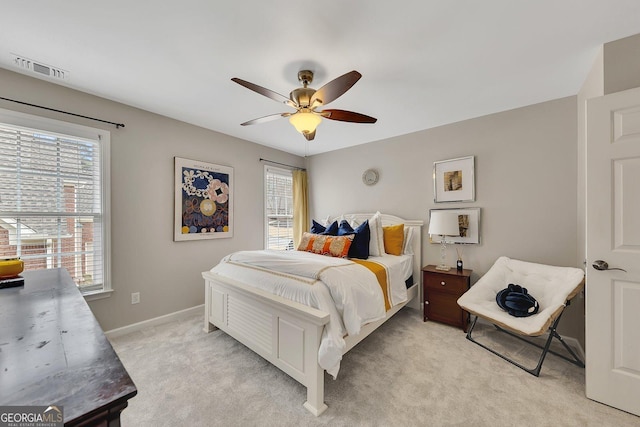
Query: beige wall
(526, 181)
(145, 257)
(621, 64)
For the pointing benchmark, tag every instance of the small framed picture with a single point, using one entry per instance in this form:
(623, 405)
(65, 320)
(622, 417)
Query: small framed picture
(203, 200)
(454, 180)
(468, 222)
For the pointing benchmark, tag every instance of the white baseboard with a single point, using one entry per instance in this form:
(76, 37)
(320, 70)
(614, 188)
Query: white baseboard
(171, 317)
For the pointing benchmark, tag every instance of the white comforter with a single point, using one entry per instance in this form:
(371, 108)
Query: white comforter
(349, 292)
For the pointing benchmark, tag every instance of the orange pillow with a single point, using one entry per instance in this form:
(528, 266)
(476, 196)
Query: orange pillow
(393, 237)
(336, 246)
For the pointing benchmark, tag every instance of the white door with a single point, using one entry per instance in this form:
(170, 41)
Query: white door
(613, 236)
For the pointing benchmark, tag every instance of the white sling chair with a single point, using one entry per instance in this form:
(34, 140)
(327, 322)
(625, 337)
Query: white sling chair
(553, 288)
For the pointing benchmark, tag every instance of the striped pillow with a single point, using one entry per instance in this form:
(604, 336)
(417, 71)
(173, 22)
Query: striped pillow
(336, 246)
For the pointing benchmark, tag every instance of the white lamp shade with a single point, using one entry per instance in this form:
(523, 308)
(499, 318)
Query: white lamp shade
(444, 224)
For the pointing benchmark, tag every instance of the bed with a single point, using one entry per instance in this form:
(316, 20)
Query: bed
(293, 335)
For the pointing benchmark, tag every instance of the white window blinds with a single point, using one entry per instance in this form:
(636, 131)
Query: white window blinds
(51, 203)
(278, 208)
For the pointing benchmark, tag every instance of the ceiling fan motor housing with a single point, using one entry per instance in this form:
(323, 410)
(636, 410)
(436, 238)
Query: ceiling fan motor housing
(302, 96)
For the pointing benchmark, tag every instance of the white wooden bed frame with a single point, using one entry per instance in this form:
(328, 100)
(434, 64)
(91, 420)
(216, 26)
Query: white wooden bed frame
(287, 333)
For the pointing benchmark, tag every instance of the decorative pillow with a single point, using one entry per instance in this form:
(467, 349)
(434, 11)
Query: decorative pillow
(316, 227)
(393, 237)
(331, 230)
(336, 246)
(351, 219)
(376, 242)
(361, 235)
(407, 249)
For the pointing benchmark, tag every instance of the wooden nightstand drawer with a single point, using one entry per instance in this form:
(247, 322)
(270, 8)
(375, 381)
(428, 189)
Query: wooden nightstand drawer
(441, 290)
(447, 283)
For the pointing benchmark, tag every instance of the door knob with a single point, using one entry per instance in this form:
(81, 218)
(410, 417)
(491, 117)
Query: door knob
(603, 265)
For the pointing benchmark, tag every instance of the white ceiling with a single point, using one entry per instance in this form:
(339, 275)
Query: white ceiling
(424, 63)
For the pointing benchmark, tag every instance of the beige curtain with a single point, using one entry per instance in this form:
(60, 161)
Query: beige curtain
(300, 205)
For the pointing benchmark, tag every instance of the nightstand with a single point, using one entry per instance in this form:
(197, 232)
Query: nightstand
(441, 290)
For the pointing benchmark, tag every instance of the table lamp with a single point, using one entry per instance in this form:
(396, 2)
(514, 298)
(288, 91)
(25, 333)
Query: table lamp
(443, 224)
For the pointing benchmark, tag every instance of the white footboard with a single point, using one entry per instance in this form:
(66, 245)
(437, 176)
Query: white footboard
(284, 332)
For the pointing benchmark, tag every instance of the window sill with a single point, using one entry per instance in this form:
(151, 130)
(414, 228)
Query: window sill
(96, 295)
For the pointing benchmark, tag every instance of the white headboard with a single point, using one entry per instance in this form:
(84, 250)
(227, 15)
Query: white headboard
(416, 242)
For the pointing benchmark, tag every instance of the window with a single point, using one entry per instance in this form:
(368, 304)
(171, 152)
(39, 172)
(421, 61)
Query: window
(54, 197)
(278, 209)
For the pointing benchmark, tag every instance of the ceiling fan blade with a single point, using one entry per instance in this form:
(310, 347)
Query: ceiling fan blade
(265, 119)
(347, 116)
(310, 135)
(262, 91)
(335, 88)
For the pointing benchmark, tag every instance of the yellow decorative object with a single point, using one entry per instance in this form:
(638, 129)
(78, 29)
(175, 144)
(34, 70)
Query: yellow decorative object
(10, 267)
(207, 207)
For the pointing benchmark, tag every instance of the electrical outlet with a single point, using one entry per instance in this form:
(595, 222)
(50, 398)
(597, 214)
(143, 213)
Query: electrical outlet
(135, 298)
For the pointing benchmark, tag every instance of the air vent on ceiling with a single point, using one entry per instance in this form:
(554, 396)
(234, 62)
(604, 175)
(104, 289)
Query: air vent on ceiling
(40, 68)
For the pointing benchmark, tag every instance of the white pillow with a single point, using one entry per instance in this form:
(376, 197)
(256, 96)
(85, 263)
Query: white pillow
(351, 219)
(326, 221)
(407, 249)
(376, 241)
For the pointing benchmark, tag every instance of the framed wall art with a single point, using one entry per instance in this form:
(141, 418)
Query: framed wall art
(454, 180)
(469, 223)
(203, 200)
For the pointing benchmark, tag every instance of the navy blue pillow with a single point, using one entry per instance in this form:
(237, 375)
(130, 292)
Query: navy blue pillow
(360, 246)
(331, 230)
(317, 228)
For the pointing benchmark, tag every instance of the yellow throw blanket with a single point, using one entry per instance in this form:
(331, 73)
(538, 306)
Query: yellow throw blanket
(381, 274)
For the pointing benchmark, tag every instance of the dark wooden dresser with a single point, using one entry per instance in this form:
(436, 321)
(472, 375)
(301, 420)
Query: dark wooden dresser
(53, 352)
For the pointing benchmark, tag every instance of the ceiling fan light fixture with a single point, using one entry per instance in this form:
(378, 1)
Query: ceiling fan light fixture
(306, 100)
(305, 121)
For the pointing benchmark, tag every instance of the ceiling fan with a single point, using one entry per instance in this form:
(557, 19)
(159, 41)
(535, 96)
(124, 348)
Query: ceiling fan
(306, 100)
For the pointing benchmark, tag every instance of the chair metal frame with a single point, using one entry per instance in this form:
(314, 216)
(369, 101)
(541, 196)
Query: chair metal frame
(545, 349)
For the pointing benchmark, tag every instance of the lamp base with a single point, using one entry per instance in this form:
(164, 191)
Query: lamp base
(443, 267)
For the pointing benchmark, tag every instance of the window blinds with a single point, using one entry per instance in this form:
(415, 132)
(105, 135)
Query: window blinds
(279, 208)
(51, 213)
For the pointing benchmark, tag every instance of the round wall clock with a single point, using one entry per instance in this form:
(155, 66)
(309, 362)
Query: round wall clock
(370, 176)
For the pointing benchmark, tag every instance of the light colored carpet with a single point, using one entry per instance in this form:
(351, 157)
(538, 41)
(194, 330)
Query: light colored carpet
(406, 373)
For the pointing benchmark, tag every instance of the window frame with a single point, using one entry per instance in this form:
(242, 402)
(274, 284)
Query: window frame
(267, 169)
(103, 138)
